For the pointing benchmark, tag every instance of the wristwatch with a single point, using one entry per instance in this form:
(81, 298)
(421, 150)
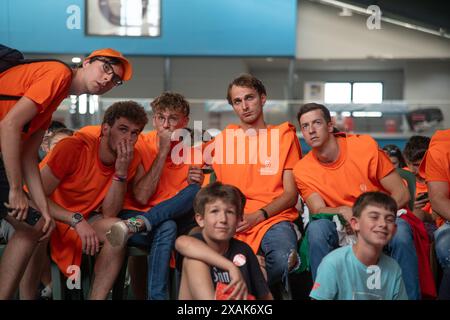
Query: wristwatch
(76, 218)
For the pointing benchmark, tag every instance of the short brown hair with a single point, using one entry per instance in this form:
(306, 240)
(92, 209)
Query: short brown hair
(416, 147)
(374, 198)
(225, 192)
(170, 101)
(248, 81)
(130, 110)
(48, 138)
(314, 106)
(66, 131)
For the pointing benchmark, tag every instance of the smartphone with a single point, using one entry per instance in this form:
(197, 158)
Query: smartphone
(33, 216)
(422, 196)
(207, 170)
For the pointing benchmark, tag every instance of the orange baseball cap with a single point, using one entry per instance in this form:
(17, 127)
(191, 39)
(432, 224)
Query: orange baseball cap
(108, 52)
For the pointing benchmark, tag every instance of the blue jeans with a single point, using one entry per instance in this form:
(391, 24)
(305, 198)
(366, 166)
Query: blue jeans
(442, 245)
(277, 244)
(161, 239)
(323, 239)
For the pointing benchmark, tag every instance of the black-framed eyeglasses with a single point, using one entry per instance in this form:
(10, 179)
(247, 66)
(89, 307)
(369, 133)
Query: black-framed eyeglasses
(108, 69)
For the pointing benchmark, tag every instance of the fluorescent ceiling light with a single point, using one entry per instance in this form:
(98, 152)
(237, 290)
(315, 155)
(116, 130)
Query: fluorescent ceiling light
(367, 114)
(342, 5)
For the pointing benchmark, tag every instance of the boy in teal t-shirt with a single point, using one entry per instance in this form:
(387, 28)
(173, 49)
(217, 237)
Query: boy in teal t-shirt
(362, 271)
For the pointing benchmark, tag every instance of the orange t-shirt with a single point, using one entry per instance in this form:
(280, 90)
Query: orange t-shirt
(435, 165)
(173, 177)
(359, 168)
(46, 83)
(255, 164)
(84, 183)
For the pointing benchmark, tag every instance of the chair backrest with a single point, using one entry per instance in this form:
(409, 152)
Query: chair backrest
(410, 179)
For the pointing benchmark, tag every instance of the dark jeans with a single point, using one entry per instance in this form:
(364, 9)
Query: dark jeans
(442, 246)
(161, 239)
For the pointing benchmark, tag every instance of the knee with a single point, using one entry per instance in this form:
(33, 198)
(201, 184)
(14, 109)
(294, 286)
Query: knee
(27, 232)
(279, 263)
(194, 187)
(167, 229)
(287, 259)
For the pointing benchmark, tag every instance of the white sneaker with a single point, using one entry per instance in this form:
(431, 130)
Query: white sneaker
(118, 234)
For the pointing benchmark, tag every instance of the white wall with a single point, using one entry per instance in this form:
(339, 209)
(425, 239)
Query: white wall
(427, 80)
(206, 78)
(429, 84)
(323, 34)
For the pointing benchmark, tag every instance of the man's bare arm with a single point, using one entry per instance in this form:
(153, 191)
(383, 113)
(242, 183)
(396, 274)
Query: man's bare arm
(393, 183)
(439, 197)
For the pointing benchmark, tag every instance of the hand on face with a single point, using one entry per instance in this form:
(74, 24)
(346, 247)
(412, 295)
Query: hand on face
(125, 153)
(164, 135)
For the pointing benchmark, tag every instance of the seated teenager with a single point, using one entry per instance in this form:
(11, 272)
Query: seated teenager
(214, 256)
(363, 271)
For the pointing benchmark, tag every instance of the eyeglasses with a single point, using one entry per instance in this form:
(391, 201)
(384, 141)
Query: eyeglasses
(108, 69)
(173, 121)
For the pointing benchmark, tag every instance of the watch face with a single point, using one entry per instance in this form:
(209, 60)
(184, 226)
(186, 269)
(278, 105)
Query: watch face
(77, 217)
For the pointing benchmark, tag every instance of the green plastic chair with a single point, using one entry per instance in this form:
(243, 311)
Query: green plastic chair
(410, 179)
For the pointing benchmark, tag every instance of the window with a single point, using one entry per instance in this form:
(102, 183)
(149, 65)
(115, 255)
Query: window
(353, 92)
(123, 17)
(338, 92)
(367, 92)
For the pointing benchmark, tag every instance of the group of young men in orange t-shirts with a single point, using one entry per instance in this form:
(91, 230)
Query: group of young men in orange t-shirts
(112, 185)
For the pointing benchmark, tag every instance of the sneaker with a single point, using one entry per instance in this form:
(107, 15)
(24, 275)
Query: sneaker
(118, 234)
(46, 293)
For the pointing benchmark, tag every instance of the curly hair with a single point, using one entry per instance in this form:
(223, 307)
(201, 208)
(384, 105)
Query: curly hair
(130, 110)
(170, 101)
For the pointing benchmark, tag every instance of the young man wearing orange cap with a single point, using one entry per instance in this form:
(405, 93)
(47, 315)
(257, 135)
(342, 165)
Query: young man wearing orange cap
(29, 94)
